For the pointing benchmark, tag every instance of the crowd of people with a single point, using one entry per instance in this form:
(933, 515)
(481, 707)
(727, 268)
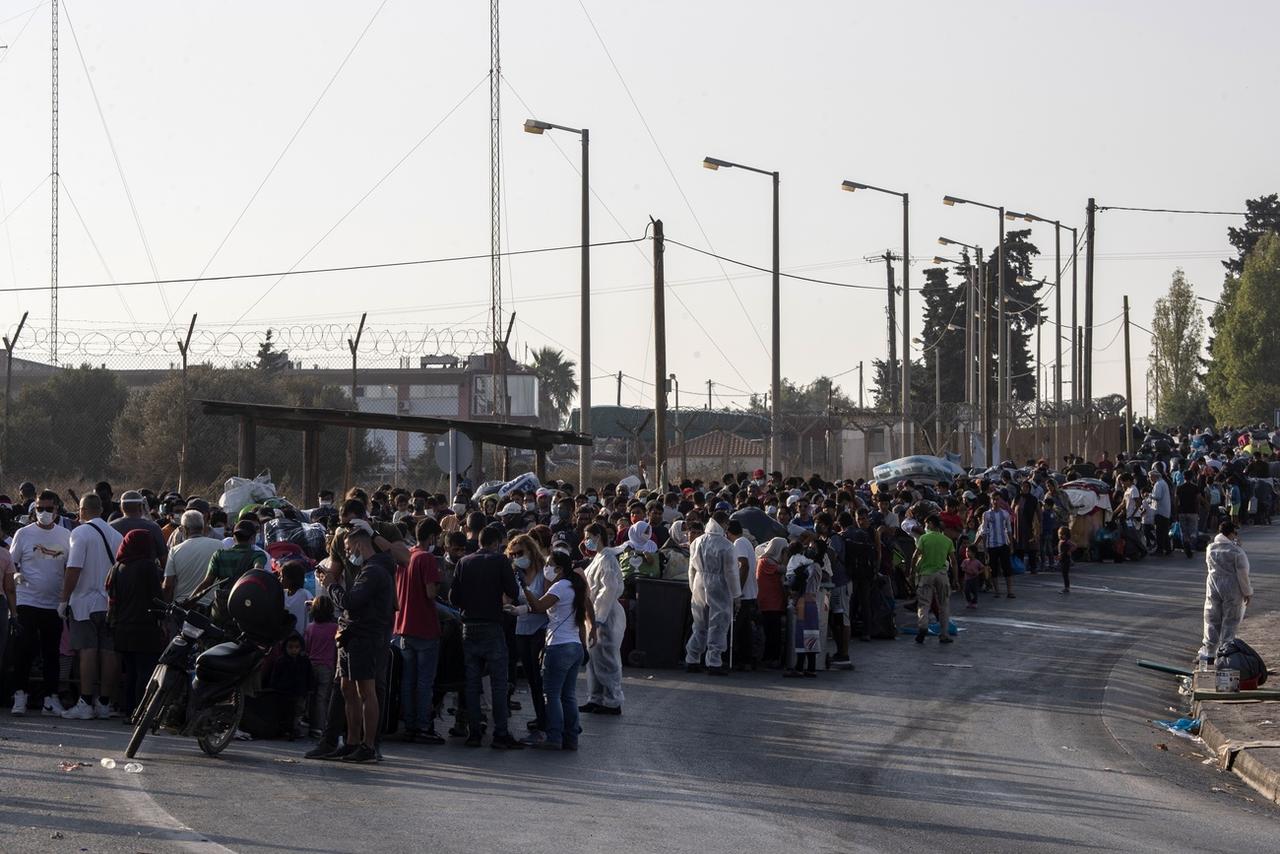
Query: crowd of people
(402, 599)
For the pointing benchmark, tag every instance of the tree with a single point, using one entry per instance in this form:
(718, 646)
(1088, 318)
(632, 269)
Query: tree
(811, 399)
(270, 360)
(1177, 340)
(61, 428)
(557, 385)
(1262, 216)
(147, 434)
(1242, 383)
(890, 399)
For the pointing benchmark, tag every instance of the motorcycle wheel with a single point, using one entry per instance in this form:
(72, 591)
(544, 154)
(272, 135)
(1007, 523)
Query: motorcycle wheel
(216, 742)
(153, 702)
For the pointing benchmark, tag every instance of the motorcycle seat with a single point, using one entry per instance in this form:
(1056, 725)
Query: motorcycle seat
(227, 659)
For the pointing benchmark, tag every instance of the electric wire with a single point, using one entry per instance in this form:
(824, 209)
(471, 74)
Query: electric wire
(1168, 210)
(94, 243)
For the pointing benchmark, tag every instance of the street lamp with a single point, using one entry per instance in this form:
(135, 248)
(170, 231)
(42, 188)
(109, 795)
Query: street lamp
(978, 305)
(1057, 281)
(775, 384)
(908, 430)
(1002, 384)
(584, 357)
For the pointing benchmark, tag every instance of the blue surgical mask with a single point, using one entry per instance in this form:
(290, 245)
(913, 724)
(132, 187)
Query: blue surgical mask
(522, 562)
(549, 572)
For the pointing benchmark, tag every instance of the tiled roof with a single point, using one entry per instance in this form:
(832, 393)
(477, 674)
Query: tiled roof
(719, 443)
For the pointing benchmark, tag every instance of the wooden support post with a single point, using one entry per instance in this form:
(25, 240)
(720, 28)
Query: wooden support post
(247, 447)
(311, 464)
(540, 465)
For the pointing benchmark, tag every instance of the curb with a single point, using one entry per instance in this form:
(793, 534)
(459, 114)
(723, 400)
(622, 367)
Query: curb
(1244, 764)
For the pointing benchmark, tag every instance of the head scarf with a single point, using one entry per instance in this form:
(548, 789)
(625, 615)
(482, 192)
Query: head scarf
(773, 549)
(678, 535)
(137, 545)
(638, 535)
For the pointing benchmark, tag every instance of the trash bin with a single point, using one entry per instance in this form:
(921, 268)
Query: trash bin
(662, 623)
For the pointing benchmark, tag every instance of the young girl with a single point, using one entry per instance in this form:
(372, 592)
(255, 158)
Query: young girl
(565, 604)
(1065, 549)
(972, 568)
(322, 651)
(1048, 533)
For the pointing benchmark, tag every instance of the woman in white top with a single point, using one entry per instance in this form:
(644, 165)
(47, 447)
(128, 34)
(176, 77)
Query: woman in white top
(565, 604)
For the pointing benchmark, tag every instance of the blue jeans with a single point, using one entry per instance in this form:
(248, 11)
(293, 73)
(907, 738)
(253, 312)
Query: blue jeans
(485, 644)
(560, 682)
(416, 683)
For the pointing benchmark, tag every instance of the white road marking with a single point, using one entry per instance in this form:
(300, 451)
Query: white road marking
(1042, 627)
(160, 824)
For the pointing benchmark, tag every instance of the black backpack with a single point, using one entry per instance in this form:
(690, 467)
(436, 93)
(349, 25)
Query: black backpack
(1235, 654)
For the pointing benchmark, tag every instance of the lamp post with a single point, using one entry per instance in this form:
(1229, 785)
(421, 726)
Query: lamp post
(1002, 384)
(775, 384)
(675, 383)
(1057, 316)
(908, 429)
(982, 308)
(584, 356)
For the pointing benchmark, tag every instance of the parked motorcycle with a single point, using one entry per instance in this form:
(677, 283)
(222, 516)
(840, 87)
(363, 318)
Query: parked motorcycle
(202, 694)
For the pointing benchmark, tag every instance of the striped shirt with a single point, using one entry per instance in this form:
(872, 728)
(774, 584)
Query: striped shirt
(995, 528)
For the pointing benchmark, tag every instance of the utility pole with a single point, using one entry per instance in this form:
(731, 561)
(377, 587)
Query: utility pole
(1128, 385)
(968, 358)
(1039, 389)
(53, 219)
(1057, 342)
(659, 360)
(937, 403)
(891, 369)
(354, 346)
(183, 347)
(908, 426)
(619, 388)
(984, 378)
(861, 404)
(1002, 386)
(9, 344)
(1090, 210)
(710, 384)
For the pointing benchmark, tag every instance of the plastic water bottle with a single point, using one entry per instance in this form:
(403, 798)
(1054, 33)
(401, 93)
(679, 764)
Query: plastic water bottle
(133, 768)
(108, 763)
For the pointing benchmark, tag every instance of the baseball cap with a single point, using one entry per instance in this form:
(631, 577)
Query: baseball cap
(132, 497)
(511, 509)
(198, 504)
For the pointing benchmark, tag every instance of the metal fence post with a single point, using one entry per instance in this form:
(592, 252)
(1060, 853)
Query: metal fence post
(8, 384)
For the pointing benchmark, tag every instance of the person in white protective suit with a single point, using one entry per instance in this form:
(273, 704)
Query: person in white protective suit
(604, 581)
(717, 591)
(1227, 589)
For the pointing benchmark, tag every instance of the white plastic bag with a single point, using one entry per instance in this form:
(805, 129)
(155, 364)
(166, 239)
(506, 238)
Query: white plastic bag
(240, 492)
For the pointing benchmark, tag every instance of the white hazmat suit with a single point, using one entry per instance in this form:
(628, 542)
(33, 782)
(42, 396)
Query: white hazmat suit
(1225, 591)
(713, 578)
(604, 669)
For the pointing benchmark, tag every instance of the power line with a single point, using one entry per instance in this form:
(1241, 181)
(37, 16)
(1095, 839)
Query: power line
(313, 270)
(767, 270)
(1168, 210)
(94, 243)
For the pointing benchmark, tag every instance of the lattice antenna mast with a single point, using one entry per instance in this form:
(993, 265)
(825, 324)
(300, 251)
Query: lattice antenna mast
(53, 221)
(495, 214)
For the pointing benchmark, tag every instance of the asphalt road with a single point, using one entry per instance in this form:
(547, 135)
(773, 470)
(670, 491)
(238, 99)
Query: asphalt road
(1031, 733)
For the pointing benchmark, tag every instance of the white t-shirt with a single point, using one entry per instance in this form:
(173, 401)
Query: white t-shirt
(296, 603)
(189, 563)
(1160, 498)
(90, 553)
(742, 548)
(561, 628)
(41, 557)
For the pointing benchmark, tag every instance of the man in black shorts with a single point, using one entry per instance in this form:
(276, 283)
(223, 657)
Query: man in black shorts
(364, 638)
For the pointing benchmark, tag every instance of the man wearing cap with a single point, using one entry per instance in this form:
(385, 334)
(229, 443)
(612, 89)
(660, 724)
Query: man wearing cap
(134, 507)
(512, 516)
(227, 565)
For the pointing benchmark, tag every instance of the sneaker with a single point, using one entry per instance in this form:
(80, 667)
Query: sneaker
(505, 742)
(321, 750)
(361, 753)
(81, 711)
(342, 752)
(104, 712)
(429, 736)
(53, 708)
(613, 710)
(534, 739)
(588, 708)
(551, 745)
(19, 704)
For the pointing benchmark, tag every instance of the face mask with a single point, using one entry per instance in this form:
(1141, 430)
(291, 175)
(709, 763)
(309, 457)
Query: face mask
(771, 509)
(44, 517)
(592, 545)
(522, 562)
(324, 502)
(549, 572)
(459, 509)
(355, 560)
(218, 531)
(591, 499)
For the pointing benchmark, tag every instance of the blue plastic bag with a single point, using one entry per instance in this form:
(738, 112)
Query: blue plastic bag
(1019, 568)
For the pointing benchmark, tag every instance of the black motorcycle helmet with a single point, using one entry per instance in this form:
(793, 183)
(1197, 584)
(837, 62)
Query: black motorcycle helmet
(256, 603)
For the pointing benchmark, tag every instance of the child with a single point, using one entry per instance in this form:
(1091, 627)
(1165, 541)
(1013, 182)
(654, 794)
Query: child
(1065, 550)
(291, 680)
(293, 577)
(1048, 533)
(972, 567)
(322, 652)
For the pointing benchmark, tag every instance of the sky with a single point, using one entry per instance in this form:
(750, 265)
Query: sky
(249, 137)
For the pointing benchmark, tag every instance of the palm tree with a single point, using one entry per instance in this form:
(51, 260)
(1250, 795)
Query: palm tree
(556, 385)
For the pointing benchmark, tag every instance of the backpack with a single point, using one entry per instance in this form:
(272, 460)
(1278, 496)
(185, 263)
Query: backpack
(1235, 654)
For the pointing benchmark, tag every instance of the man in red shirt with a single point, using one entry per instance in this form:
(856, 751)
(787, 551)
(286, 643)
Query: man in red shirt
(417, 630)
